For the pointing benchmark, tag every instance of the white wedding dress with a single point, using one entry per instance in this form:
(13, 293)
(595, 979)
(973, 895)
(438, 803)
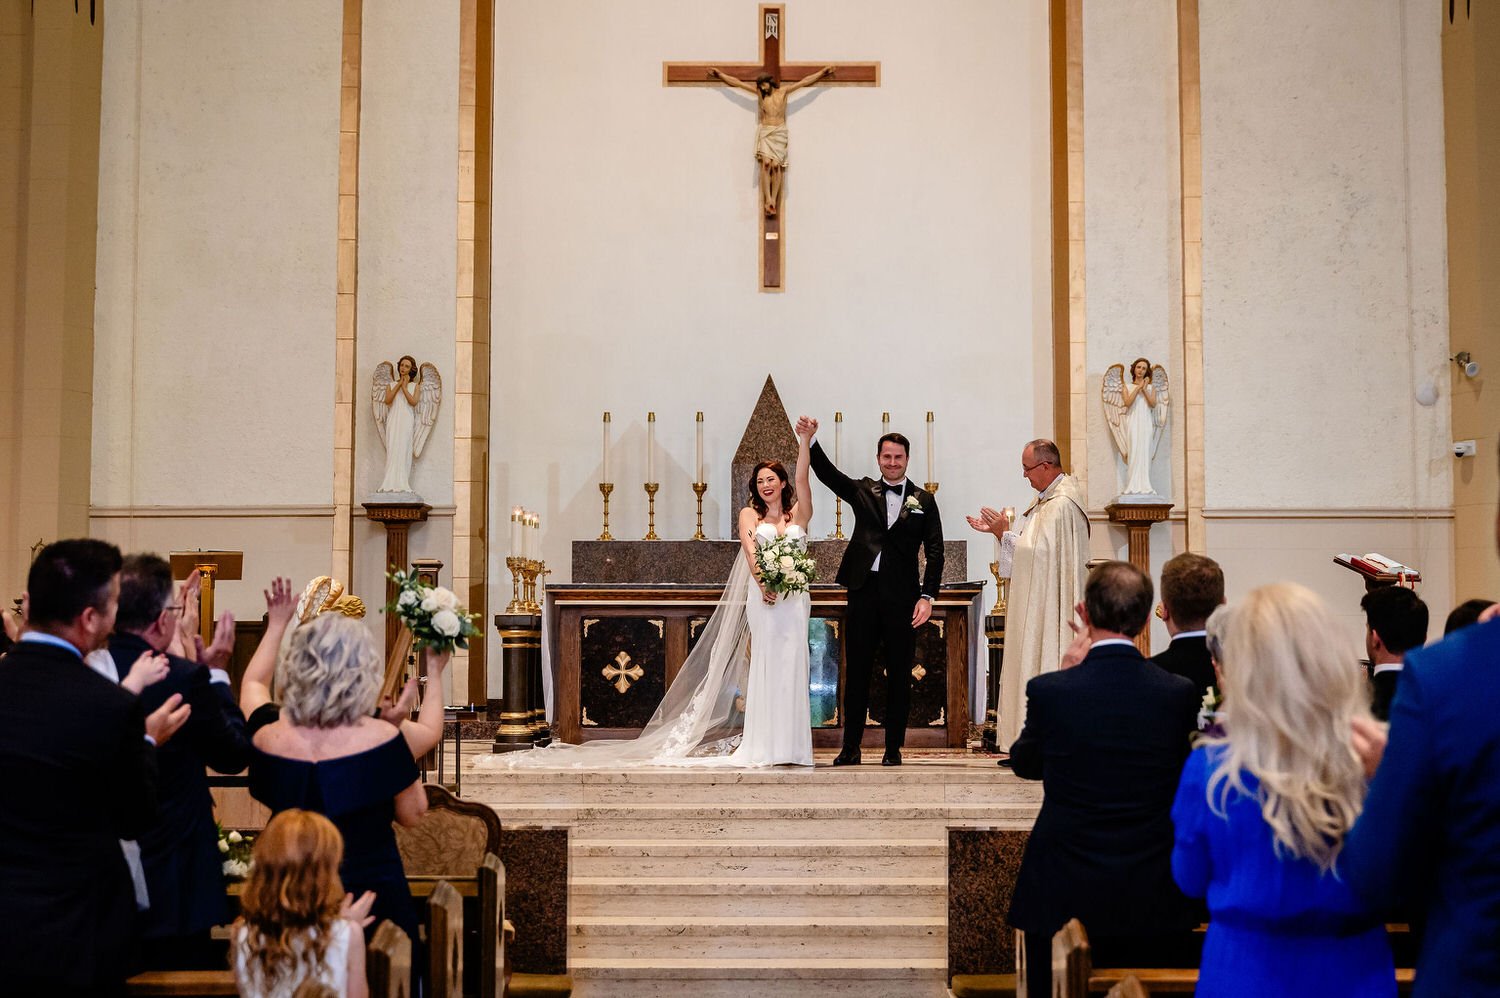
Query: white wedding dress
(749, 653)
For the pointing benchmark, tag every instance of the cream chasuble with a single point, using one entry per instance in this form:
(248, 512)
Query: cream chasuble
(1046, 580)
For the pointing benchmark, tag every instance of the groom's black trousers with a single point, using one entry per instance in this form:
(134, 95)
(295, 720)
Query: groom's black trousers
(880, 615)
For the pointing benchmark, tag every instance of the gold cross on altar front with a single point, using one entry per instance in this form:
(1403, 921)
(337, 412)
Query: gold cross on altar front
(771, 148)
(622, 672)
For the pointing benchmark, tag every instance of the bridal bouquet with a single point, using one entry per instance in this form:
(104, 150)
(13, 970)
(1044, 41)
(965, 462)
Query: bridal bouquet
(432, 613)
(785, 566)
(235, 848)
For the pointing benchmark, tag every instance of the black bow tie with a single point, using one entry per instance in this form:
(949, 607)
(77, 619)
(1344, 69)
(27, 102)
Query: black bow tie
(887, 487)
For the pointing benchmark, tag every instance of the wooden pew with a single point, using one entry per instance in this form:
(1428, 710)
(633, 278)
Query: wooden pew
(182, 983)
(388, 962)
(445, 943)
(1130, 987)
(496, 978)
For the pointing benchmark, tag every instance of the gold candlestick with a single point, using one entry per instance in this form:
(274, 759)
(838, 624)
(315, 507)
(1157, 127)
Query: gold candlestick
(698, 489)
(838, 519)
(530, 570)
(999, 607)
(605, 488)
(651, 488)
(930, 487)
(515, 605)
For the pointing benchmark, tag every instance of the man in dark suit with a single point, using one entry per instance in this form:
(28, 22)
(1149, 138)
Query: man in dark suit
(1429, 834)
(184, 871)
(77, 775)
(1192, 587)
(1107, 735)
(1395, 623)
(888, 601)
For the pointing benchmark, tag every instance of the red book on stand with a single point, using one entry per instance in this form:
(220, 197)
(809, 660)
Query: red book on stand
(1378, 570)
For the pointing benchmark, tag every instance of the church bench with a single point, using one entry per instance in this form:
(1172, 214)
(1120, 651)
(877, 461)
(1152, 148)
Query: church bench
(983, 986)
(192, 983)
(388, 962)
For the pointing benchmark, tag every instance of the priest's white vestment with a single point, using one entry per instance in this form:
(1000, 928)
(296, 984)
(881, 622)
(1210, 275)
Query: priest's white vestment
(1048, 568)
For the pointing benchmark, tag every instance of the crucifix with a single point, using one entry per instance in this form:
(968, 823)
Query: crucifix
(766, 82)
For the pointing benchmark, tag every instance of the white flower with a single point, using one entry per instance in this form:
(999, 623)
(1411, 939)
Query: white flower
(447, 599)
(788, 562)
(223, 846)
(430, 603)
(796, 578)
(912, 505)
(407, 598)
(235, 838)
(446, 623)
(228, 868)
(236, 868)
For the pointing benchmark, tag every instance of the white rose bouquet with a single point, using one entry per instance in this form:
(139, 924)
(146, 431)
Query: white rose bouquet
(235, 848)
(432, 613)
(784, 566)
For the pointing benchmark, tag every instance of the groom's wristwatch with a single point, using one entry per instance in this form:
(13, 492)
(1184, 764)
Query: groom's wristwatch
(924, 596)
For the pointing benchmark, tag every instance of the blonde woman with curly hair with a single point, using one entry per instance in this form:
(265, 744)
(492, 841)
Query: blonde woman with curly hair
(298, 933)
(325, 752)
(1262, 811)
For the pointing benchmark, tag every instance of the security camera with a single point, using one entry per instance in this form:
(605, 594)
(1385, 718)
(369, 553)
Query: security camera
(1464, 448)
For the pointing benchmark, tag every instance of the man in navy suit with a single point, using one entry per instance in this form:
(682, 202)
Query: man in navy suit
(1107, 735)
(1395, 623)
(1192, 587)
(1430, 831)
(184, 871)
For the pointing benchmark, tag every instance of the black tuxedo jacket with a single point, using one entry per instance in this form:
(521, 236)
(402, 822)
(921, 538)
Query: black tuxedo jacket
(76, 776)
(896, 545)
(1382, 692)
(1189, 658)
(180, 853)
(1107, 738)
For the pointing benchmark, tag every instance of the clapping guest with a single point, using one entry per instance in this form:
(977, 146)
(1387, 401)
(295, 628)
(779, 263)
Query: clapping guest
(180, 852)
(1466, 613)
(299, 931)
(1396, 622)
(1262, 811)
(325, 752)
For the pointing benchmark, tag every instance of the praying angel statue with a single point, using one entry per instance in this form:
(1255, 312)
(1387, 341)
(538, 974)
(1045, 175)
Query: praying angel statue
(1136, 410)
(406, 399)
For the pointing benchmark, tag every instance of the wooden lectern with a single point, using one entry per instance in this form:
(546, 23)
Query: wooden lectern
(223, 566)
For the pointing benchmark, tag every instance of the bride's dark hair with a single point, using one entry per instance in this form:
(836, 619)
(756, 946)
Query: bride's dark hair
(787, 495)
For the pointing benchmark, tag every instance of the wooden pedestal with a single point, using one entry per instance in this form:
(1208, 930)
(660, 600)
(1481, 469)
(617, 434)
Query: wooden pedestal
(397, 518)
(520, 658)
(1138, 518)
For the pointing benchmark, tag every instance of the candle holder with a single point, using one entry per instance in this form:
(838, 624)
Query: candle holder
(698, 489)
(530, 570)
(651, 488)
(605, 488)
(516, 567)
(999, 608)
(838, 519)
(930, 487)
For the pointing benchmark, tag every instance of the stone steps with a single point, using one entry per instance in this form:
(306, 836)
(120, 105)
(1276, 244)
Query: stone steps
(692, 822)
(718, 897)
(768, 858)
(816, 936)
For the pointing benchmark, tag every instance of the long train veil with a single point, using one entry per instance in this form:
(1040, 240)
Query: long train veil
(696, 719)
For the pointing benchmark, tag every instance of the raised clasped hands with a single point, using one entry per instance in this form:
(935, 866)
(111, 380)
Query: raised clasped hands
(990, 521)
(807, 428)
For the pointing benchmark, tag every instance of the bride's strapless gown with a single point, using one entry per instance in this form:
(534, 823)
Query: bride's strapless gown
(778, 718)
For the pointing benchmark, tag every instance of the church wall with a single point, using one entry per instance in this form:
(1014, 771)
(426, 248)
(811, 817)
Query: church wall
(917, 255)
(1324, 299)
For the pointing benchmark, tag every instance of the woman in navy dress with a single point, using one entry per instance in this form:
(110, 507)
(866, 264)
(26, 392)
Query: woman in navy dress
(326, 753)
(1262, 810)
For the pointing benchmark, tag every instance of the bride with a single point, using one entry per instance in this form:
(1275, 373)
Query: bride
(740, 698)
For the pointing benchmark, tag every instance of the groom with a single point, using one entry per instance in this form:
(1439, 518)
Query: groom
(887, 600)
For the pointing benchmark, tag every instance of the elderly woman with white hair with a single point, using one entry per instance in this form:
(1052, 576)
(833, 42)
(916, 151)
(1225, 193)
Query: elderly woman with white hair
(326, 752)
(1263, 807)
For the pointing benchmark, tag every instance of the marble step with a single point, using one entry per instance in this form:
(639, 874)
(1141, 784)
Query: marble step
(810, 987)
(721, 896)
(766, 969)
(816, 936)
(764, 858)
(740, 821)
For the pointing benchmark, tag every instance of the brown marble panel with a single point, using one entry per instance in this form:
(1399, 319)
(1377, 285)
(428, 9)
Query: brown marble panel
(708, 562)
(929, 681)
(982, 868)
(536, 897)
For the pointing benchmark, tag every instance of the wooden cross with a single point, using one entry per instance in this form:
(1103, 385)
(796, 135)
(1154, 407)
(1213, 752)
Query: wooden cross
(772, 36)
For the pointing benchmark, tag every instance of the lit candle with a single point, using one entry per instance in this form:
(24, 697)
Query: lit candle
(1010, 517)
(650, 446)
(931, 453)
(885, 423)
(515, 531)
(604, 472)
(700, 449)
(838, 437)
(536, 536)
(531, 535)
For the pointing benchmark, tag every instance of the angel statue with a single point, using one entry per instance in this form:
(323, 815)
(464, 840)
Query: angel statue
(406, 401)
(1136, 408)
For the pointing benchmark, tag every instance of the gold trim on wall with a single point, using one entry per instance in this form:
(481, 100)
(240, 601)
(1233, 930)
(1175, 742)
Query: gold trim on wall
(1190, 144)
(471, 442)
(346, 300)
(1069, 402)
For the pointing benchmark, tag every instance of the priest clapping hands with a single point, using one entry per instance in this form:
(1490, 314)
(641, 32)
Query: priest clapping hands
(990, 521)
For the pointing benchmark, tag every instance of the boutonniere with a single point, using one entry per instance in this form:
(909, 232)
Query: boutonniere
(912, 505)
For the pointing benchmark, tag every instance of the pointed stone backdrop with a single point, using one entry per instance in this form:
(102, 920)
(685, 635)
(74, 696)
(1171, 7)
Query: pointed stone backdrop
(768, 437)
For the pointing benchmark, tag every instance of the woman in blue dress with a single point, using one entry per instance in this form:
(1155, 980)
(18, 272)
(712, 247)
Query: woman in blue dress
(1262, 810)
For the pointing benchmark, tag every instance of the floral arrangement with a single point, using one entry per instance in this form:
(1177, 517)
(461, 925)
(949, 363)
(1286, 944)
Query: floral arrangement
(784, 566)
(432, 613)
(235, 848)
(1209, 710)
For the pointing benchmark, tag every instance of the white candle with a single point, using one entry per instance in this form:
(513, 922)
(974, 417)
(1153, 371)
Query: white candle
(531, 536)
(885, 423)
(515, 531)
(536, 536)
(931, 453)
(997, 550)
(650, 446)
(838, 437)
(604, 467)
(699, 471)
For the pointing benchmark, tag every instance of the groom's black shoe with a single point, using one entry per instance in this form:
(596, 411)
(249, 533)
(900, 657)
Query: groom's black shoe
(846, 758)
(892, 757)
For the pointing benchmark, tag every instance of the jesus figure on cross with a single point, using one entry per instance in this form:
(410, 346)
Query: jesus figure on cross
(770, 138)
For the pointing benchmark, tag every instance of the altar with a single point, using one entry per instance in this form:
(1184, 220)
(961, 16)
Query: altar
(622, 628)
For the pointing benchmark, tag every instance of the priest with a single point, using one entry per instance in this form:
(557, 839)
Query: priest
(1047, 560)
